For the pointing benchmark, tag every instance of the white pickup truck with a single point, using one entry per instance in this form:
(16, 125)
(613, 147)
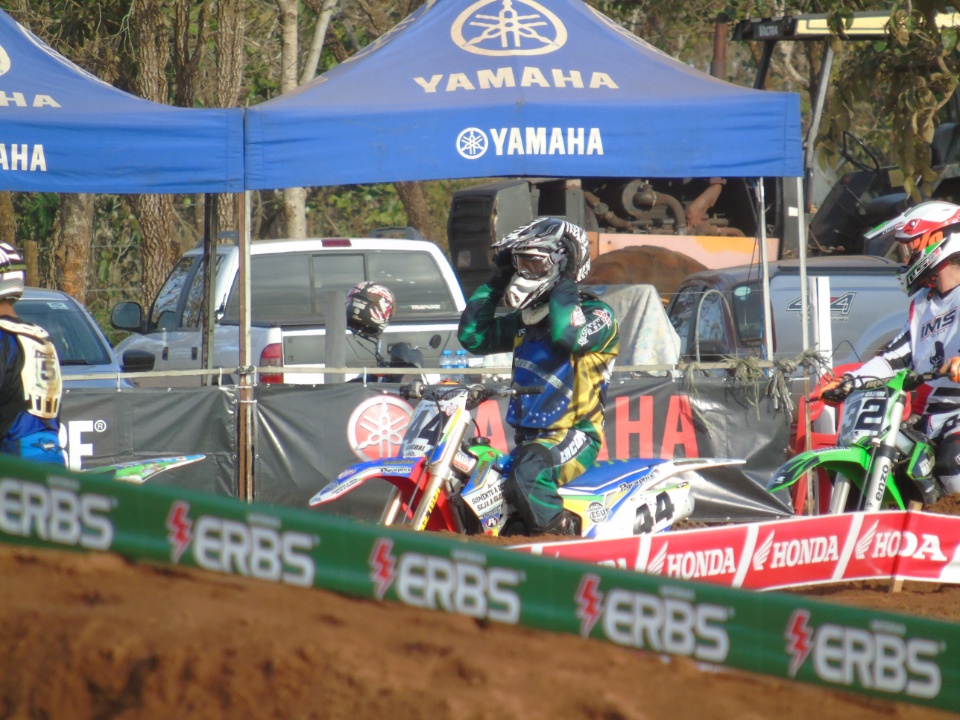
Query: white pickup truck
(290, 283)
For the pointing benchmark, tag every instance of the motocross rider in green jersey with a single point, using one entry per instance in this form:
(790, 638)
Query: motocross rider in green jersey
(563, 340)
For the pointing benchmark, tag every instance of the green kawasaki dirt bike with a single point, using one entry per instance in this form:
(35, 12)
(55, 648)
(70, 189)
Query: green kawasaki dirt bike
(888, 462)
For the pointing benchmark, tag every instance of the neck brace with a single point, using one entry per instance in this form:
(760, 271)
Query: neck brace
(533, 315)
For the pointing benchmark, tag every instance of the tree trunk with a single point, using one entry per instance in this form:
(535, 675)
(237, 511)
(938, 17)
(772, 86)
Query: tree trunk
(159, 250)
(8, 222)
(418, 214)
(229, 52)
(294, 199)
(155, 212)
(72, 255)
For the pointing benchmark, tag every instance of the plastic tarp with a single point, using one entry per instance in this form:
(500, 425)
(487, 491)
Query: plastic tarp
(494, 88)
(646, 335)
(65, 130)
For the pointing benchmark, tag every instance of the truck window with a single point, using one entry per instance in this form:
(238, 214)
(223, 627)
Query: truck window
(163, 315)
(713, 327)
(682, 314)
(193, 307)
(415, 279)
(746, 304)
(294, 286)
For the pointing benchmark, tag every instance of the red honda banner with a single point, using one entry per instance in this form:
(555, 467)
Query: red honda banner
(787, 553)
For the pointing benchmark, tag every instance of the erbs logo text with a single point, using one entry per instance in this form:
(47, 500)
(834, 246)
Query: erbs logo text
(255, 548)
(674, 625)
(460, 584)
(59, 513)
(880, 658)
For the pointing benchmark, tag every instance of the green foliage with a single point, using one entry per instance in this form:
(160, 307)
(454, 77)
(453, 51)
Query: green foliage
(36, 215)
(906, 81)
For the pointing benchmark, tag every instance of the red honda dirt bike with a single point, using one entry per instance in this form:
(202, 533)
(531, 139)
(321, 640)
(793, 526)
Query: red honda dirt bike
(445, 480)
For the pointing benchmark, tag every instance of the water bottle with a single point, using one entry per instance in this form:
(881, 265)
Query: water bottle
(460, 362)
(446, 364)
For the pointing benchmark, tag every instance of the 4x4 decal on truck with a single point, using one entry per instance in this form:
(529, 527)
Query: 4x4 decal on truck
(839, 306)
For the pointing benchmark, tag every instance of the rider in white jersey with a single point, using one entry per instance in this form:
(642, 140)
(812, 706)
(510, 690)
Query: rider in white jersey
(29, 375)
(929, 240)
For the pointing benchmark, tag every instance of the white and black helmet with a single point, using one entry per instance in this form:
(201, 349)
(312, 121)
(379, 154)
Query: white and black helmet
(369, 309)
(539, 254)
(12, 272)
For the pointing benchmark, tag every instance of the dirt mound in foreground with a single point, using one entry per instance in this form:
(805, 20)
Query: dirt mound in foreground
(95, 636)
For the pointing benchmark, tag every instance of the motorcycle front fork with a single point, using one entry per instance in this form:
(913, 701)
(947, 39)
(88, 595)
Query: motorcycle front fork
(840, 494)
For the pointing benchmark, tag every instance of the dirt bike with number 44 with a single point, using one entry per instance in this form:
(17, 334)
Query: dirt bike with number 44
(447, 478)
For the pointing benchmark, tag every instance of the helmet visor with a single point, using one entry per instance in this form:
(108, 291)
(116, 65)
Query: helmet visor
(533, 267)
(907, 252)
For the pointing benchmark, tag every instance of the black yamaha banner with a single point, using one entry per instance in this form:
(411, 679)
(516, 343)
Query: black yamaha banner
(305, 436)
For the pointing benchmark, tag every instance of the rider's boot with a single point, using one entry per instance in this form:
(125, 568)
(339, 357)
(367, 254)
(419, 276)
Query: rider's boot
(929, 489)
(515, 526)
(565, 523)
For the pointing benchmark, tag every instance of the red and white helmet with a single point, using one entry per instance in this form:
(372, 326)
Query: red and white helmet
(923, 236)
(369, 309)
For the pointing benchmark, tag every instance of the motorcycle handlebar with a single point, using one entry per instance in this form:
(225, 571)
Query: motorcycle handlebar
(849, 384)
(417, 390)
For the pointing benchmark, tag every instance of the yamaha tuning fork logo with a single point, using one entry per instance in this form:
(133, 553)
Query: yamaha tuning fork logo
(4, 61)
(508, 27)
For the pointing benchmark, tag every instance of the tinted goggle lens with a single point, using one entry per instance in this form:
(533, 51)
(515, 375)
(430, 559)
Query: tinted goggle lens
(532, 267)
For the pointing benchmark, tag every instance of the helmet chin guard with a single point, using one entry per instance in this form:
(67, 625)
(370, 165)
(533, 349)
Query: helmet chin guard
(523, 292)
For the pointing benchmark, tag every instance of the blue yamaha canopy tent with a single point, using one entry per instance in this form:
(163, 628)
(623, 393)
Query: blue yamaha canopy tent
(491, 88)
(64, 130)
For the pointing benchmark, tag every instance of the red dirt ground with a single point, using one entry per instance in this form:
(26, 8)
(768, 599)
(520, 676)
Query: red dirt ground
(98, 637)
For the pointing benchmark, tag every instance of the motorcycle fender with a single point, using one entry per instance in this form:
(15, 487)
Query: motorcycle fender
(853, 462)
(623, 476)
(138, 471)
(393, 470)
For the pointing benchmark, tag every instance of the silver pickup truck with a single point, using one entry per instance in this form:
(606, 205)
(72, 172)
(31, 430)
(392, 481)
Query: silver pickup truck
(290, 282)
(867, 308)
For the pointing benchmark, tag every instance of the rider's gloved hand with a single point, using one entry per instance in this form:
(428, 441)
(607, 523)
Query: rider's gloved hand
(503, 270)
(951, 368)
(825, 387)
(569, 269)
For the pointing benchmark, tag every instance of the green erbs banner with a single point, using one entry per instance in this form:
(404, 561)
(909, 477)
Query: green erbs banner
(883, 655)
